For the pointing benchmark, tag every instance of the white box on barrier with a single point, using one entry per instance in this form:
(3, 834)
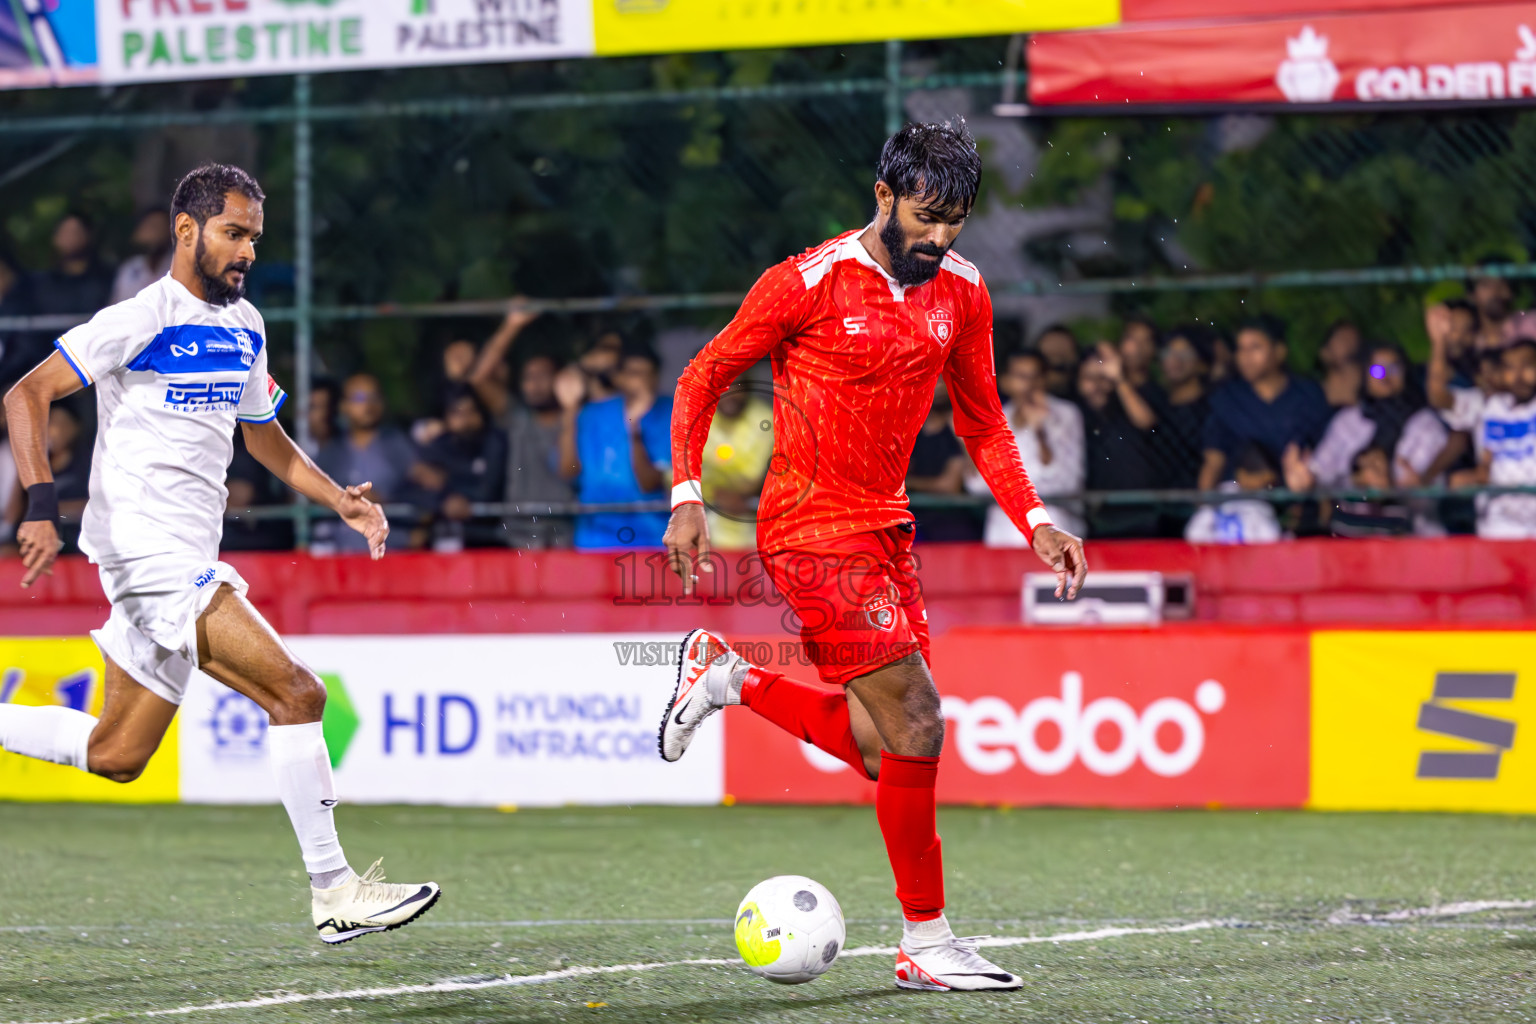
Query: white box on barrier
(469, 720)
(1107, 598)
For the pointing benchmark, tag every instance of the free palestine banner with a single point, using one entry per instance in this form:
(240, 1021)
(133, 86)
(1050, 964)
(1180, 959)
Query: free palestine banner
(71, 42)
(167, 40)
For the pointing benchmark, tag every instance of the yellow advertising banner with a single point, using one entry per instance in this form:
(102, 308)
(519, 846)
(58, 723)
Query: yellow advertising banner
(68, 672)
(1421, 721)
(670, 26)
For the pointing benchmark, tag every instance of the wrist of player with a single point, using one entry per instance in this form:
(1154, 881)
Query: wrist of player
(1034, 519)
(42, 503)
(687, 492)
(336, 501)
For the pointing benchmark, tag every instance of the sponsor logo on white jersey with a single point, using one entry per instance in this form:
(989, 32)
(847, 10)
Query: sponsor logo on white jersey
(205, 396)
(247, 350)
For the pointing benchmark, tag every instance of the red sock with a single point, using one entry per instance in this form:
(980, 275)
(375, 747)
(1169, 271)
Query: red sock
(907, 810)
(816, 714)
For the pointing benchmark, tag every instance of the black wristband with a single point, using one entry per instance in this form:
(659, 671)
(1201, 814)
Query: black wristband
(42, 503)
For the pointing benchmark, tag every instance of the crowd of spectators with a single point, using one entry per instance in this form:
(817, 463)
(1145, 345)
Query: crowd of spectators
(1143, 423)
(1135, 437)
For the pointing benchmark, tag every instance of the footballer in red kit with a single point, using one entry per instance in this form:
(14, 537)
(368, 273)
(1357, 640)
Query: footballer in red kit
(859, 331)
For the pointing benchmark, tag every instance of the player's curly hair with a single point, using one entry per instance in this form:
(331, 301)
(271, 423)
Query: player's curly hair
(201, 193)
(936, 163)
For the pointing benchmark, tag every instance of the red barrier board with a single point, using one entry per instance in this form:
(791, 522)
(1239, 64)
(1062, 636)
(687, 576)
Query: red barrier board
(1485, 53)
(1104, 718)
(1446, 583)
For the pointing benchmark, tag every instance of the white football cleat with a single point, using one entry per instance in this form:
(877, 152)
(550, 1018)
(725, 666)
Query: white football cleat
(369, 904)
(709, 677)
(951, 966)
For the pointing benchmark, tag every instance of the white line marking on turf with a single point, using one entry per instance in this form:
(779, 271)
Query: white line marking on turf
(512, 981)
(577, 922)
(581, 922)
(1098, 933)
(542, 923)
(1347, 916)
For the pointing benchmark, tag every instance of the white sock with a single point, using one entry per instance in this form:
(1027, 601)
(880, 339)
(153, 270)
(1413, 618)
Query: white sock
(50, 733)
(916, 934)
(303, 768)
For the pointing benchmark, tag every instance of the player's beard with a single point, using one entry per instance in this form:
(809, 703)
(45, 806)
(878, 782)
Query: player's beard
(908, 270)
(216, 290)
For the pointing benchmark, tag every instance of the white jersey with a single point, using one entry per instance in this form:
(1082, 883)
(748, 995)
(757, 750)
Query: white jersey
(173, 374)
(1240, 521)
(1507, 432)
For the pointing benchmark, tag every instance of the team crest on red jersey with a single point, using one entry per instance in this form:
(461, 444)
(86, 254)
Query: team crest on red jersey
(942, 324)
(881, 613)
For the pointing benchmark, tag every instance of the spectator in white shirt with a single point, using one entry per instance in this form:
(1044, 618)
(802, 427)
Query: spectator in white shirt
(1241, 520)
(1049, 433)
(1506, 449)
(1458, 378)
(152, 242)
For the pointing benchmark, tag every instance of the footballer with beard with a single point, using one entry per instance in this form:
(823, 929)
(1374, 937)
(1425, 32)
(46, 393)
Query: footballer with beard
(859, 330)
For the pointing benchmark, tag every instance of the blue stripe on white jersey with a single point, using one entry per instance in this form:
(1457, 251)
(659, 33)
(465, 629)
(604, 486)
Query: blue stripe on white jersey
(1495, 431)
(199, 348)
(85, 379)
(173, 374)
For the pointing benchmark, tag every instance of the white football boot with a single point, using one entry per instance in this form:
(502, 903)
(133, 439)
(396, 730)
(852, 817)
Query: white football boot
(369, 904)
(709, 677)
(952, 965)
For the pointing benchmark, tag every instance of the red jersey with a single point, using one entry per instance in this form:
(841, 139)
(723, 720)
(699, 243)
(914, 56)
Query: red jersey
(856, 358)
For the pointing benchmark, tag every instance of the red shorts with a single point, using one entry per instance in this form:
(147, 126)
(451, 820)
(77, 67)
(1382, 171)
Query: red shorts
(856, 599)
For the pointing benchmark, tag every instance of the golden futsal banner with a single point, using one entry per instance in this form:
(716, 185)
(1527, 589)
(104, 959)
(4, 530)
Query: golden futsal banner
(1423, 721)
(668, 26)
(68, 672)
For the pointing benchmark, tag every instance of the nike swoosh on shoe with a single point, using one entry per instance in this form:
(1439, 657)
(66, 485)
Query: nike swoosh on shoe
(421, 895)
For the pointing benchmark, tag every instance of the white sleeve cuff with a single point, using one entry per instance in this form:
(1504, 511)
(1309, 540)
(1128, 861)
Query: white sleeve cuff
(687, 492)
(1037, 518)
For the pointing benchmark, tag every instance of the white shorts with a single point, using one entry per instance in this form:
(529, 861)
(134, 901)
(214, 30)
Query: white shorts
(152, 631)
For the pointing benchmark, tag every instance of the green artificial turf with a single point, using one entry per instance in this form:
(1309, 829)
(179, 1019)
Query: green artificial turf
(114, 913)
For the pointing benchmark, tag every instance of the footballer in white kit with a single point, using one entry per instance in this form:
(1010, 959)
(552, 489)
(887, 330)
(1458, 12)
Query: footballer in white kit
(175, 368)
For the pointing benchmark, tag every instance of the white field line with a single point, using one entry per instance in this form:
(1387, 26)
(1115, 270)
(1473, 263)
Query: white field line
(540, 923)
(1030, 940)
(1338, 917)
(1347, 916)
(575, 922)
(512, 981)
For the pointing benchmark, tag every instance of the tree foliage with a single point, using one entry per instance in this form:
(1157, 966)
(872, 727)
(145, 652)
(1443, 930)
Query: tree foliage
(658, 197)
(1301, 192)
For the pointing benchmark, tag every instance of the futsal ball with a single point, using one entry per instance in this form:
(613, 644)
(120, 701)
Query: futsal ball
(789, 929)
